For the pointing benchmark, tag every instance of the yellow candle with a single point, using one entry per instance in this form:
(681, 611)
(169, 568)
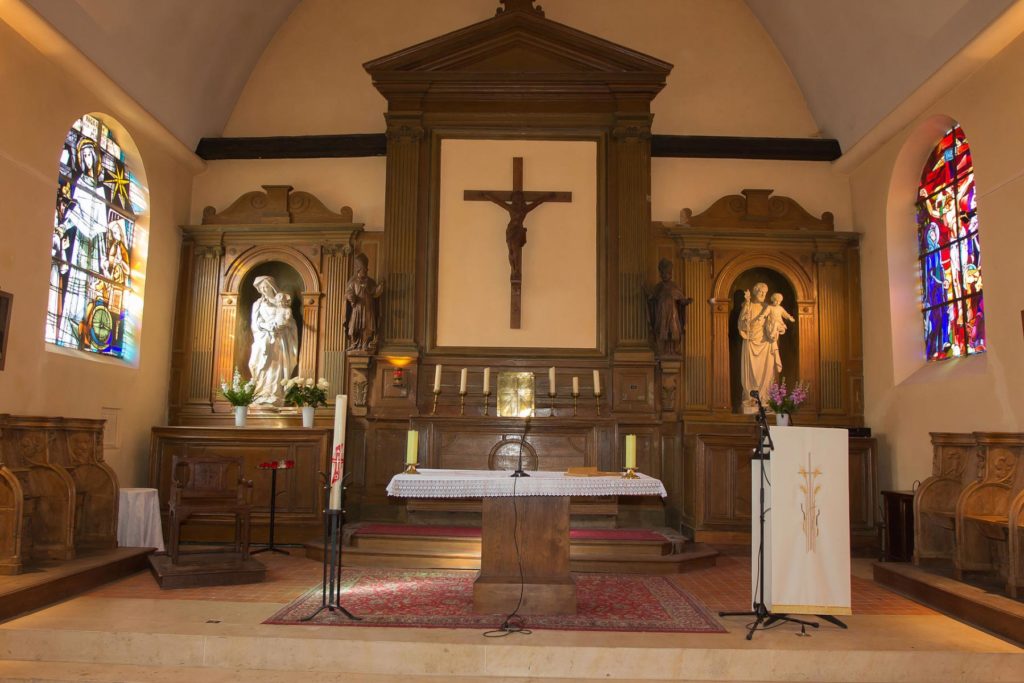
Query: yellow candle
(412, 448)
(630, 451)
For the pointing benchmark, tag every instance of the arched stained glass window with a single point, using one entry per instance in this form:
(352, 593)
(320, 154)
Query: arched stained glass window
(98, 247)
(950, 253)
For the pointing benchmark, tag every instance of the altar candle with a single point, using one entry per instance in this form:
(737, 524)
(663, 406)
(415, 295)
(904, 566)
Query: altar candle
(338, 454)
(487, 380)
(412, 447)
(597, 383)
(462, 380)
(575, 386)
(437, 379)
(630, 451)
(551, 380)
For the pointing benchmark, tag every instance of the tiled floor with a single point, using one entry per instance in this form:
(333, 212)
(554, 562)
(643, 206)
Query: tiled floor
(723, 587)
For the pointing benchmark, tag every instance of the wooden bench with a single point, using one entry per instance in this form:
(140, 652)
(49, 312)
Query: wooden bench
(953, 469)
(983, 528)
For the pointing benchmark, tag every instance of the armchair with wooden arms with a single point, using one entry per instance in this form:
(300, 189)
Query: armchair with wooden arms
(209, 485)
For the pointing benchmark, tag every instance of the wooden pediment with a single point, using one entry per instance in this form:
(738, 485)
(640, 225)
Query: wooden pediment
(756, 209)
(519, 45)
(276, 204)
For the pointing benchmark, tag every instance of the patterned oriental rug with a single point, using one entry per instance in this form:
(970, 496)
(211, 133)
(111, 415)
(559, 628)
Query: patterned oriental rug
(433, 598)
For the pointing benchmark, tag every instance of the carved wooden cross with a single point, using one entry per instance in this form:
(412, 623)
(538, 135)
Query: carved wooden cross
(518, 203)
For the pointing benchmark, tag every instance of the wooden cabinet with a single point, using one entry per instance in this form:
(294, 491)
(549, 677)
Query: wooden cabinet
(898, 508)
(718, 483)
(299, 490)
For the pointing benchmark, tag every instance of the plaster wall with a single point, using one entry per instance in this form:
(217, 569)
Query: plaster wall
(905, 397)
(38, 380)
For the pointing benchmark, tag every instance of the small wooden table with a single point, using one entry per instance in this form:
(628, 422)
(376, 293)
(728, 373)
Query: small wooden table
(537, 507)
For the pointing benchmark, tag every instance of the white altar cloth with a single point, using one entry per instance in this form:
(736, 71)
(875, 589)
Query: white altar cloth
(499, 483)
(138, 519)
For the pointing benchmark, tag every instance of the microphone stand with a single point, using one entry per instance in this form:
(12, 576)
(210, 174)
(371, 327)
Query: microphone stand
(763, 616)
(519, 468)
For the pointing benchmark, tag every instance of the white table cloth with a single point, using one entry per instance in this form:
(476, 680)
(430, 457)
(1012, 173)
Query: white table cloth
(494, 483)
(138, 519)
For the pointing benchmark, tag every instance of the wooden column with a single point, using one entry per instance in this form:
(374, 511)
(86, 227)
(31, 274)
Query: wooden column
(721, 390)
(697, 270)
(832, 309)
(206, 283)
(225, 341)
(310, 324)
(631, 174)
(336, 273)
(401, 213)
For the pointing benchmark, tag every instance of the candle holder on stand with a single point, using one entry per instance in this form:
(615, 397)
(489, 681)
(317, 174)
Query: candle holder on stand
(487, 397)
(552, 395)
(575, 402)
(630, 473)
(597, 401)
(433, 409)
(462, 403)
(410, 468)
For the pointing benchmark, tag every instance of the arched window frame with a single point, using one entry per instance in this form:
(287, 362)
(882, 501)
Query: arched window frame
(949, 252)
(99, 242)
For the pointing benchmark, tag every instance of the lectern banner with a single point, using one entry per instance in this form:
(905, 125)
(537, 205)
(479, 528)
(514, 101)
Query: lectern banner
(809, 521)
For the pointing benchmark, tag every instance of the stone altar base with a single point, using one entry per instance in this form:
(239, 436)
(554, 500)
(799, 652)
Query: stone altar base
(206, 569)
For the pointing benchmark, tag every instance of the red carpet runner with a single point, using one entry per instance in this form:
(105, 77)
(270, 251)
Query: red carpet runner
(432, 598)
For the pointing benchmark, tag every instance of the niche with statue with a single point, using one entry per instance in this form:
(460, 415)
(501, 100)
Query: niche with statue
(262, 289)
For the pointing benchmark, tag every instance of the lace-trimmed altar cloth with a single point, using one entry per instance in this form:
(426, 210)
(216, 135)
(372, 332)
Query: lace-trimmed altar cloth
(494, 483)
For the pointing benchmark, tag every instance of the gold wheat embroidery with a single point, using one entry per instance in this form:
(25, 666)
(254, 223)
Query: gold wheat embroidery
(809, 506)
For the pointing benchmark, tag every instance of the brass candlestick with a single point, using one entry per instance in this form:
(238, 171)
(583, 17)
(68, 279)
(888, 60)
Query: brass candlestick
(462, 403)
(433, 410)
(551, 396)
(575, 402)
(630, 473)
(487, 396)
(411, 469)
(597, 401)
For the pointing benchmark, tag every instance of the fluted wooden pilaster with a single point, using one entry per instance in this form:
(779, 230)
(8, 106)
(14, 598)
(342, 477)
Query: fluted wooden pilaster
(631, 154)
(336, 271)
(832, 309)
(401, 210)
(697, 351)
(204, 312)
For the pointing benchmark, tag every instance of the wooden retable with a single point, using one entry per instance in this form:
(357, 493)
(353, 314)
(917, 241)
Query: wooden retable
(538, 508)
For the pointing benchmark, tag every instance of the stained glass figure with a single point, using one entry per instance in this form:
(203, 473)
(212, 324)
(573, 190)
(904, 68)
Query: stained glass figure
(96, 259)
(950, 252)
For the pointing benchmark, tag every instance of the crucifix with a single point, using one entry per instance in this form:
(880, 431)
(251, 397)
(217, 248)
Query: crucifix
(518, 203)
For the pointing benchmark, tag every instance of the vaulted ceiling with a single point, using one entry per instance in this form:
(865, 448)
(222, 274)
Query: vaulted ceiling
(187, 62)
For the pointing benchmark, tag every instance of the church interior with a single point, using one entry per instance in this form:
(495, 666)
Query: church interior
(278, 356)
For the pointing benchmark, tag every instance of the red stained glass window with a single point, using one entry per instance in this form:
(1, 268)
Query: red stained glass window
(949, 251)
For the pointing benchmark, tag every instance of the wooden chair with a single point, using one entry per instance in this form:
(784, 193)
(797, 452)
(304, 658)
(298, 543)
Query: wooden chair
(953, 458)
(209, 486)
(1015, 532)
(983, 509)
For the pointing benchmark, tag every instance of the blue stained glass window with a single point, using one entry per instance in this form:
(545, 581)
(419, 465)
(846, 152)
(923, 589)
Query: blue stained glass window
(97, 263)
(950, 252)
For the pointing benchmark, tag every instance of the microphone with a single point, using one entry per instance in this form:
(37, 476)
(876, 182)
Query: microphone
(754, 393)
(519, 469)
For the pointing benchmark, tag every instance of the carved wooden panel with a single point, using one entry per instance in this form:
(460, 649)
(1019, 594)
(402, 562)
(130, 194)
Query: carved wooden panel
(299, 489)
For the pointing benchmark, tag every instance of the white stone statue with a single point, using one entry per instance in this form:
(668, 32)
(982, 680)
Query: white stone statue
(760, 325)
(275, 344)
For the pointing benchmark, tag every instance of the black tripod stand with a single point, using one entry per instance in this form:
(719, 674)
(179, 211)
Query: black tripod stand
(330, 588)
(763, 617)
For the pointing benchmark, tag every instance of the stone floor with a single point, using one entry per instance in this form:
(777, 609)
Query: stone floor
(131, 630)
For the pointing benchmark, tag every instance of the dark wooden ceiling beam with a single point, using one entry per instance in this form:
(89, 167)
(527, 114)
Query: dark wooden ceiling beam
(375, 144)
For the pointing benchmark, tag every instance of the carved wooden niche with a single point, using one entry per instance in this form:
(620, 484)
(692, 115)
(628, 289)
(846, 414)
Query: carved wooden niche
(289, 236)
(739, 241)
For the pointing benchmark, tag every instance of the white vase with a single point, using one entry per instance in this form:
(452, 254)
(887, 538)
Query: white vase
(307, 416)
(782, 419)
(240, 413)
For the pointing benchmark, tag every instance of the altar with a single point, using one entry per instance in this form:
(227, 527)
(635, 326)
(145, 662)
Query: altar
(525, 534)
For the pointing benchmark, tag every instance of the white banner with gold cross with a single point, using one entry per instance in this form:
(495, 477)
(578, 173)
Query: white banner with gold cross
(807, 527)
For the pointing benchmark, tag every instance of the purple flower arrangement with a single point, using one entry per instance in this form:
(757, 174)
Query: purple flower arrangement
(782, 400)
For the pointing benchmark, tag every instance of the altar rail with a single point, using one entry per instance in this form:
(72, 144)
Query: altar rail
(57, 496)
